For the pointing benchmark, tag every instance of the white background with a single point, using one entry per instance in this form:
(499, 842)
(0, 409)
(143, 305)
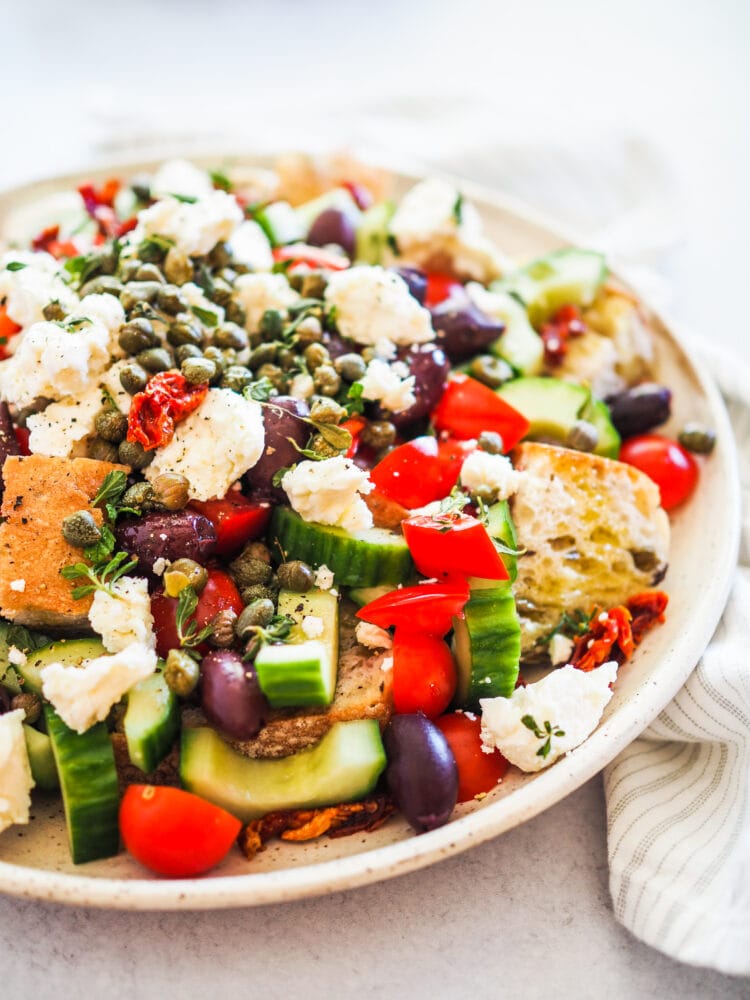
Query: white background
(629, 121)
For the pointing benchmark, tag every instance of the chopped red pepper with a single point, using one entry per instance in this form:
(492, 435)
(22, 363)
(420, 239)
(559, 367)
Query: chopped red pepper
(355, 425)
(49, 241)
(428, 607)
(236, 519)
(439, 288)
(167, 398)
(556, 332)
(467, 408)
(314, 257)
(420, 471)
(450, 545)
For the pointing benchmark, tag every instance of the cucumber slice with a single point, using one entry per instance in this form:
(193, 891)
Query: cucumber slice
(367, 559)
(520, 345)
(500, 527)
(553, 405)
(41, 759)
(10, 680)
(71, 652)
(280, 223)
(302, 671)
(25, 641)
(338, 198)
(487, 644)
(372, 234)
(88, 779)
(151, 722)
(363, 595)
(343, 767)
(564, 276)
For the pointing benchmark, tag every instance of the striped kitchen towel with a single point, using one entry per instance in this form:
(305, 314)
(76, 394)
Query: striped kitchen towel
(678, 798)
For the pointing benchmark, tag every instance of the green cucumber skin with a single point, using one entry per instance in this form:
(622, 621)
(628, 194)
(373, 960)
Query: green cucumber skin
(609, 439)
(343, 767)
(151, 722)
(500, 527)
(372, 233)
(493, 636)
(280, 223)
(41, 759)
(569, 275)
(354, 561)
(71, 652)
(88, 779)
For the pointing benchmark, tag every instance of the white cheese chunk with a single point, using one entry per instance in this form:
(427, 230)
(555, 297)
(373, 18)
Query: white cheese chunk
(384, 383)
(180, 177)
(375, 307)
(372, 636)
(16, 781)
(27, 291)
(194, 227)
(124, 616)
(312, 626)
(257, 293)
(83, 696)
(250, 246)
(214, 445)
(569, 700)
(560, 647)
(324, 577)
(482, 471)
(330, 492)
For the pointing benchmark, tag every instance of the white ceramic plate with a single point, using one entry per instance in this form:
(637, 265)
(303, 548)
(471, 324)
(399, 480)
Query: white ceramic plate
(34, 860)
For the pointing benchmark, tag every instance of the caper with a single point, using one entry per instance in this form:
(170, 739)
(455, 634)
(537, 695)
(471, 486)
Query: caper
(184, 332)
(220, 256)
(101, 450)
(258, 612)
(263, 354)
(236, 377)
(80, 529)
(309, 334)
(222, 628)
(149, 272)
(309, 326)
(326, 380)
(198, 370)
(214, 354)
(104, 284)
(296, 575)
(230, 335)
(196, 575)
(258, 591)
(313, 285)
(286, 359)
(140, 496)
(271, 324)
(181, 672)
(697, 438)
(111, 425)
(493, 372)
(257, 550)
(129, 268)
(155, 359)
(53, 311)
(221, 292)
(171, 300)
(235, 313)
(30, 703)
(327, 411)
(246, 570)
(316, 355)
(350, 367)
(185, 351)
(133, 453)
(178, 267)
(133, 378)
(274, 375)
(138, 291)
(582, 436)
(378, 434)
(491, 442)
(137, 335)
(171, 490)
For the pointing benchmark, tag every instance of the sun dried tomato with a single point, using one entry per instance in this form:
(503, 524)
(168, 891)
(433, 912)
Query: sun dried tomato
(100, 205)
(49, 241)
(615, 634)
(647, 610)
(167, 399)
(556, 332)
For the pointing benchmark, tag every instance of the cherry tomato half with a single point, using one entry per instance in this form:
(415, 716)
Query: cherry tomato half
(428, 607)
(478, 772)
(424, 673)
(450, 545)
(219, 594)
(420, 471)
(672, 468)
(236, 519)
(173, 832)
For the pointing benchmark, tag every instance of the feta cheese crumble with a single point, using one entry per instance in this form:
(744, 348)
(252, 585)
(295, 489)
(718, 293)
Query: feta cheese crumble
(214, 445)
(312, 626)
(181, 177)
(16, 781)
(560, 647)
(194, 227)
(482, 471)
(375, 307)
(372, 636)
(27, 291)
(250, 246)
(124, 616)
(16, 656)
(257, 293)
(324, 577)
(385, 383)
(329, 492)
(570, 700)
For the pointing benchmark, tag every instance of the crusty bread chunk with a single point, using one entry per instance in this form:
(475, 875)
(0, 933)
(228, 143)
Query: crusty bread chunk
(593, 532)
(39, 493)
(618, 316)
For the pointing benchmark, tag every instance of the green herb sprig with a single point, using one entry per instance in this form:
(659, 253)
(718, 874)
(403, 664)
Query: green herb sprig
(188, 632)
(545, 732)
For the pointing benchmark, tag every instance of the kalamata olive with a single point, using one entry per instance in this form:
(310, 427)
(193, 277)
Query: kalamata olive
(8, 442)
(421, 774)
(416, 280)
(282, 419)
(430, 367)
(231, 696)
(336, 346)
(640, 408)
(181, 534)
(333, 226)
(462, 329)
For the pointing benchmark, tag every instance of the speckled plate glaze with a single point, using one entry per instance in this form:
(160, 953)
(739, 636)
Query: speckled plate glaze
(34, 860)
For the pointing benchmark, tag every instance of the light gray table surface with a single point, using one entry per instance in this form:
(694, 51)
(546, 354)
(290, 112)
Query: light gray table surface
(527, 915)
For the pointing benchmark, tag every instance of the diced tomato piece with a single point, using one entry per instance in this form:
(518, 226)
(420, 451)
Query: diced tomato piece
(8, 329)
(314, 257)
(439, 288)
(424, 673)
(478, 772)
(467, 408)
(428, 607)
(173, 832)
(236, 518)
(420, 471)
(355, 425)
(449, 545)
(219, 594)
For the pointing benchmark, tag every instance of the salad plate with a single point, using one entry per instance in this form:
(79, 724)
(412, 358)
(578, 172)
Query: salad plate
(34, 860)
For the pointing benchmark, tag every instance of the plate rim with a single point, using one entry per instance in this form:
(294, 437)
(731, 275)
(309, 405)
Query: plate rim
(548, 788)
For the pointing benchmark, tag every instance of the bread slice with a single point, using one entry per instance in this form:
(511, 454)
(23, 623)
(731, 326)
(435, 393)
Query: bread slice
(618, 316)
(39, 492)
(592, 532)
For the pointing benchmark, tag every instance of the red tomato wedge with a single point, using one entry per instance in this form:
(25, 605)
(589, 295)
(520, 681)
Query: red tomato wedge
(467, 408)
(478, 772)
(449, 545)
(219, 594)
(439, 288)
(236, 519)
(8, 329)
(420, 471)
(428, 607)
(301, 253)
(355, 425)
(173, 832)
(672, 467)
(424, 673)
